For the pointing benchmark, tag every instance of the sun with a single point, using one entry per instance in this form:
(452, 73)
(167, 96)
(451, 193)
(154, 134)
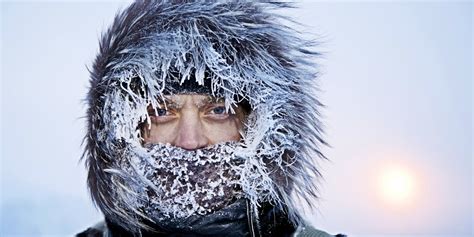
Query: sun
(397, 185)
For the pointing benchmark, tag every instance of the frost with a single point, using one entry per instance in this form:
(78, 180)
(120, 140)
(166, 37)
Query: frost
(166, 182)
(244, 52)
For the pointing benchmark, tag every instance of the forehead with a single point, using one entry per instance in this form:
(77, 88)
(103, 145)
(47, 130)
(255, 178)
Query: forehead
(196, 99)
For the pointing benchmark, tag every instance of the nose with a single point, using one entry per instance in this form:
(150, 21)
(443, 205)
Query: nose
(190, 134)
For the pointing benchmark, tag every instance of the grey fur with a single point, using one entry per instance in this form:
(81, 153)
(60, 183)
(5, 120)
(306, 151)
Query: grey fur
(247, 52)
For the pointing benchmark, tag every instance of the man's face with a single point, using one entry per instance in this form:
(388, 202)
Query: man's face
(192, 122)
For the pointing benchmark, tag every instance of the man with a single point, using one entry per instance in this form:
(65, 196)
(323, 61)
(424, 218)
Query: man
(202, 121)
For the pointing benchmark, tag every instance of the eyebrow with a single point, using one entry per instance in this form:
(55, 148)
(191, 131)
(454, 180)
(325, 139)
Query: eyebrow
(212, 99)
(164, 102)
(209, 100)
(170, 103)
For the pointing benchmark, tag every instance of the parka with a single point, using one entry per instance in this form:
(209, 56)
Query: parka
(242, 51)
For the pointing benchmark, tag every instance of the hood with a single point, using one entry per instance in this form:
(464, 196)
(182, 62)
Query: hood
(239, 50)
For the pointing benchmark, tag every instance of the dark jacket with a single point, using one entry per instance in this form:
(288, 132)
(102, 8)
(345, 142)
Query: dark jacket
(101, 230)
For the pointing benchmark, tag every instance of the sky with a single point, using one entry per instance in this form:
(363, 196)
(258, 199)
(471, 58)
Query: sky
(396, 81)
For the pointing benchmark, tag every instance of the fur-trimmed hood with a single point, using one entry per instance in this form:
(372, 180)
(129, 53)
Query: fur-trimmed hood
(244, 51)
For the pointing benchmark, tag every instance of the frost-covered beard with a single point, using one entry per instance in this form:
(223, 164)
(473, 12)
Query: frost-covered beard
(172, 183)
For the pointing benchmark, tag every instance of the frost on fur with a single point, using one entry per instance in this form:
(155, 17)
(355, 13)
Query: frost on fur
(246, 53)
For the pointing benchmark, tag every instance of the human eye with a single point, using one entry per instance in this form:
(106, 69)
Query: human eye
(158, 112)
(162, 112)
(217, 112)
(160, 115)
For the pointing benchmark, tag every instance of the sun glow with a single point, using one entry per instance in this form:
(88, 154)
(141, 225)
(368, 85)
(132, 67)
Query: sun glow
(397, 185)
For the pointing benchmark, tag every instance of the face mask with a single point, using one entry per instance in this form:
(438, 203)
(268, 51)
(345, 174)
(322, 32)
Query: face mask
(167, 182)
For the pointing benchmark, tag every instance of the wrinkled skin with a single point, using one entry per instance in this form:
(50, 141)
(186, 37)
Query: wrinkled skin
(192, 121)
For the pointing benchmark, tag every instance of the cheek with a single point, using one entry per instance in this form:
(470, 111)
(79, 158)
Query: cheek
(222, 132)
(163, 133)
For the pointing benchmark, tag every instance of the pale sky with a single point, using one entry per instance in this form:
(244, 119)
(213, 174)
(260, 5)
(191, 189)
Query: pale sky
(397, 83)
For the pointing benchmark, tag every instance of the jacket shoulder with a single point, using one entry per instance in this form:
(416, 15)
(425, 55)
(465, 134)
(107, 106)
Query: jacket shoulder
(308, 231)
(98, 230)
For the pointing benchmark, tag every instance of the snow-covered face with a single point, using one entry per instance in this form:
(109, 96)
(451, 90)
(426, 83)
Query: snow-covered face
(172, 184)
(188, 163)
(188, 166)
(192, 121)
